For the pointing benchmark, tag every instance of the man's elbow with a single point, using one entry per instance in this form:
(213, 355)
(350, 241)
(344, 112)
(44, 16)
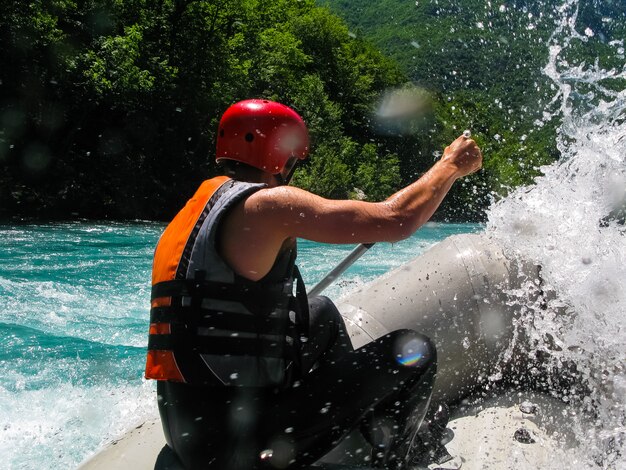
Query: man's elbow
(396, 224)
(400, 227)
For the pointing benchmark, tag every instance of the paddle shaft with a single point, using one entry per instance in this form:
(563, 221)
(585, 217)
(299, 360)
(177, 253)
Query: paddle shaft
(339, 269)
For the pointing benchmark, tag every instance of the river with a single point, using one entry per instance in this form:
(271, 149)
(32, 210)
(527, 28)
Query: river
(74, 301)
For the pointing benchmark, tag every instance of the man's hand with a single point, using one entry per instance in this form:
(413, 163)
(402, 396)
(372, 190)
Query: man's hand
(464, 155)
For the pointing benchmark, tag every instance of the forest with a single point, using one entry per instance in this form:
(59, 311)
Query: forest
(109, 108)
(482, 62)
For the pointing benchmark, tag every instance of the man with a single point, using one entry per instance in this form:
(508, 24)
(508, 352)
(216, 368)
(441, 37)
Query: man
(251, 373)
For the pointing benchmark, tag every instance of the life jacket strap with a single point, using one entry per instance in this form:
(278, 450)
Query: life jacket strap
(199, 289)
(195, 318)
(223, 345)
(300, 305)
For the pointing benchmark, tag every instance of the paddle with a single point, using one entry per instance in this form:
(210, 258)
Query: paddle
(350, 259)
(339, 269)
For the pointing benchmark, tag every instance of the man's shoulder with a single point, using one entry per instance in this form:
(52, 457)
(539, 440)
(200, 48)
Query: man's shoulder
(277, 197)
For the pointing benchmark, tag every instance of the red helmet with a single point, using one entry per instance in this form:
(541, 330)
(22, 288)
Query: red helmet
(263, 134)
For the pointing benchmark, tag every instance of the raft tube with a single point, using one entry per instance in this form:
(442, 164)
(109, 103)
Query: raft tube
(455, 293)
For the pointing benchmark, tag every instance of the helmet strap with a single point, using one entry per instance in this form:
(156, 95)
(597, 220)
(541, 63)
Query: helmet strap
(284, 180)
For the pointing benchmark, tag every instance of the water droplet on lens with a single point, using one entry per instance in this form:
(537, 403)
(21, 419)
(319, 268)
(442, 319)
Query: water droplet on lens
(524, 436)
(528, 408)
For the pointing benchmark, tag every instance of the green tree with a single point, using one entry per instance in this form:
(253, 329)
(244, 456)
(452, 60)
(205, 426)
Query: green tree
(109, 108)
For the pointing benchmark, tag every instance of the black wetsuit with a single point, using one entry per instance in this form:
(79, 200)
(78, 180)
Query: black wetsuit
(383, 387)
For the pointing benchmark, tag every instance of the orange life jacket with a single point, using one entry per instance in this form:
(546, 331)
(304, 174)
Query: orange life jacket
(208, 325)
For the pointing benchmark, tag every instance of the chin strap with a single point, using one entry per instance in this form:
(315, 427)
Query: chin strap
(281, 180)
(284, 180)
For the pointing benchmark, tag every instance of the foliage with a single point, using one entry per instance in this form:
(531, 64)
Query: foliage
(482, 63)
(109, 108)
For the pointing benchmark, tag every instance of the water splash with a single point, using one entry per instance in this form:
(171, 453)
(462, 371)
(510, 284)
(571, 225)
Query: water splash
(571, 223)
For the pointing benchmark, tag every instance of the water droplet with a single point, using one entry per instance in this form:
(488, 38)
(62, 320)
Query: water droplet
(524, 436)
(528, 408)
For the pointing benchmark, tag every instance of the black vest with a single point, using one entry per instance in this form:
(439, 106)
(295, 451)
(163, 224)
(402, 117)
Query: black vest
(225, 329)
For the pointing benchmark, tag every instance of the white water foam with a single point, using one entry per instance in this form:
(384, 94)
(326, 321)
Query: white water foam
(571, 223)
(54, 428)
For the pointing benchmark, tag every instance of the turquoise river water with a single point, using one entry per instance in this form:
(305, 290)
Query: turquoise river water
(74, 301)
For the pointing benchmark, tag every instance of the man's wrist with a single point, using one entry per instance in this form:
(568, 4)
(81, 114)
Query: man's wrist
(448, 168)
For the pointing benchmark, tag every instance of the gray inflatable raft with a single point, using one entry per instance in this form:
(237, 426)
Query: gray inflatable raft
(456, 294)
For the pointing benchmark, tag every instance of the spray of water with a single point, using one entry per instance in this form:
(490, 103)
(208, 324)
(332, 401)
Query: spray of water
(571, 223)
